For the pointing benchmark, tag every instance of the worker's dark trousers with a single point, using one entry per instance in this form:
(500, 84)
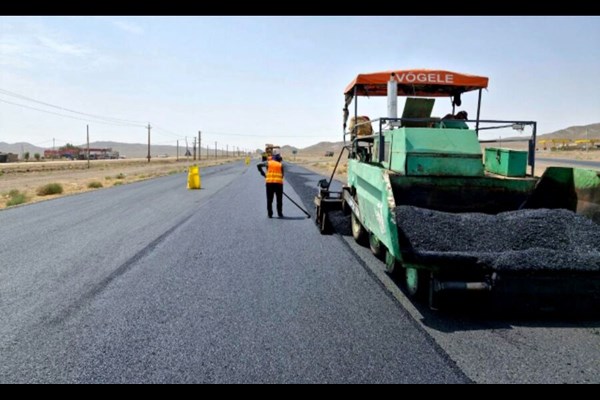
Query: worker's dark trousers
(274, 189)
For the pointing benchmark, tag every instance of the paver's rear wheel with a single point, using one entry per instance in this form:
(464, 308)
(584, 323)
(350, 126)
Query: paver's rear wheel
(417, 283)
(358, 231)
(392, 266)
(377, 248)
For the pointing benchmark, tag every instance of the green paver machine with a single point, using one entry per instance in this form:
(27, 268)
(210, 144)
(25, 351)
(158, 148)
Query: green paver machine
(437, 164)
(269, 150)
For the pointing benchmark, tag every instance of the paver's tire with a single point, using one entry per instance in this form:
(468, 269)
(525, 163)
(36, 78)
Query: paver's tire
(377, 248)
(358, 231)
(392, 266)
(417, 283)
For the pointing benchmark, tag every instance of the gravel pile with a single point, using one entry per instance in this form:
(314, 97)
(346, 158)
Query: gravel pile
(540, 239)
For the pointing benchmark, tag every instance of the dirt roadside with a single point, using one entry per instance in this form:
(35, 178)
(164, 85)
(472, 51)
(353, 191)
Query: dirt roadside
(74, 176)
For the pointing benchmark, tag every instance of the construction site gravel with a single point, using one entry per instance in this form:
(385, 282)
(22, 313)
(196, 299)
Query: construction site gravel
(522, 240)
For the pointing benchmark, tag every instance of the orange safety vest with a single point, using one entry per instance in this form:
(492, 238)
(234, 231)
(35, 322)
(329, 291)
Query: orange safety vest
(274, 172)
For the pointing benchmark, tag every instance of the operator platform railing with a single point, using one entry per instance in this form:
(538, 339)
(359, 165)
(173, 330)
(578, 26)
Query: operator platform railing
(386, 124)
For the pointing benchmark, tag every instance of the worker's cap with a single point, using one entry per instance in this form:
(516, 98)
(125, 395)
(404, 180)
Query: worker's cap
(462, 115)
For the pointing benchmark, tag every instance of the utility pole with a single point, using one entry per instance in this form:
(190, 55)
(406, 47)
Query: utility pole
(199, 145)
(88, 145)
(227, 153)
(149, 127)
(215, 149)
(194, 149)
(177, 149)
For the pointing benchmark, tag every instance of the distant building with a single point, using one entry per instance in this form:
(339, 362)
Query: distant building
(78, 153)
(71, 153)
(8, 157)
(101, 154)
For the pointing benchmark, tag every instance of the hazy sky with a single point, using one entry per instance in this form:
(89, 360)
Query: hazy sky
(247, 81)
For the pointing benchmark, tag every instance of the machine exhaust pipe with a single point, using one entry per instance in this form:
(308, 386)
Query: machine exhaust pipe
(392, 98)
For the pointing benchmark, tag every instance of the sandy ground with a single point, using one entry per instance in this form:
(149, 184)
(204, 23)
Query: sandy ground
(74, 176)
(324, 165)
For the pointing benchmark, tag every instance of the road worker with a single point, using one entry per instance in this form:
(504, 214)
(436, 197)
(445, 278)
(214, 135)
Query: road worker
(274, 183)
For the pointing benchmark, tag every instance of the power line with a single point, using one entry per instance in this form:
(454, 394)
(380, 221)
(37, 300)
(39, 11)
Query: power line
(64, 115)
(125, 122)
(252, 135)
(172, 137)
(169, 133)
(110, 119)
(166, 142)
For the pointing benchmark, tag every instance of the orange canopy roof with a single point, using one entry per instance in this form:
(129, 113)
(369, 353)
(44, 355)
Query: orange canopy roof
(416, 82)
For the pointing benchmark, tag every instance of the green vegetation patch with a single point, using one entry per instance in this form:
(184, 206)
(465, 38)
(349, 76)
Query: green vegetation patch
(95, 185)
(16, 198)
(49, 189)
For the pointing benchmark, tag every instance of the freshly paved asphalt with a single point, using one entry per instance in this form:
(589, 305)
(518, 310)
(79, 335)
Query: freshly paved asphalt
(150, 282)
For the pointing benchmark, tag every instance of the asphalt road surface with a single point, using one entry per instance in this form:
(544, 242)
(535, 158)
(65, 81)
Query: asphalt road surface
(150, 282)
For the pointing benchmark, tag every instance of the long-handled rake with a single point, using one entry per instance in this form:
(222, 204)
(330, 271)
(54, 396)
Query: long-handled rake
(297, 205)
